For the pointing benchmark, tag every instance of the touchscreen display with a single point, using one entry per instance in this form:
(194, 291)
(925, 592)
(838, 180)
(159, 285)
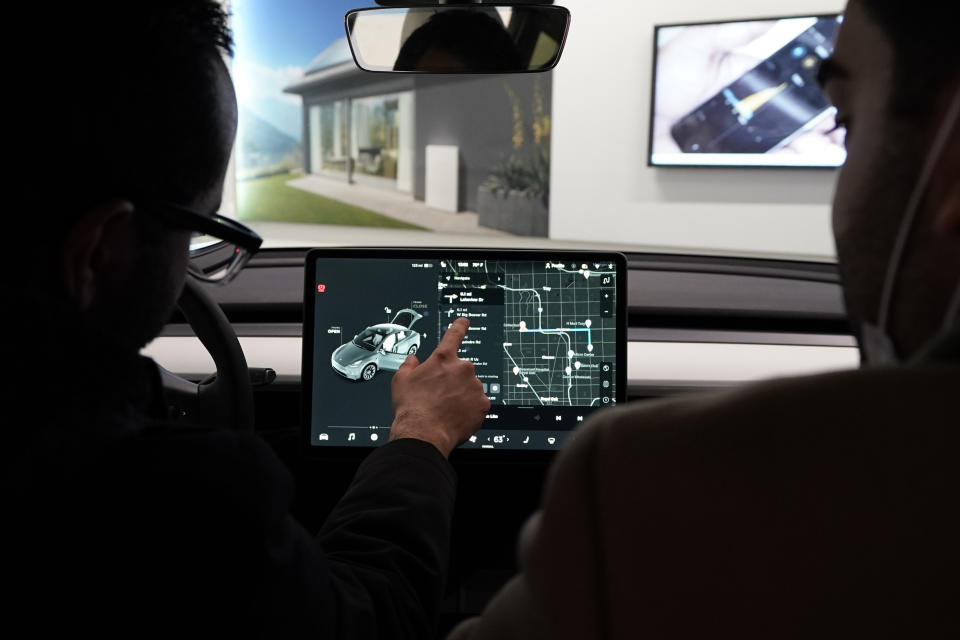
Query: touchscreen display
(545, 338)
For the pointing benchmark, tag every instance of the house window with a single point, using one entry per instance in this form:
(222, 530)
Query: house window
(376, 136)
(329, 136)
(377, 139)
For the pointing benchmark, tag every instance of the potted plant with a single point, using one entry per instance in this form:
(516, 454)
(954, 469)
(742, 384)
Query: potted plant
(516, 195)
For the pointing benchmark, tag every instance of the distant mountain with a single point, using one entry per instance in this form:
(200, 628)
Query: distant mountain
(263, 145)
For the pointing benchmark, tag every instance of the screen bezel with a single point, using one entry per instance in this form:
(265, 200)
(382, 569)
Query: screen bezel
(653, 98)
(309, 317)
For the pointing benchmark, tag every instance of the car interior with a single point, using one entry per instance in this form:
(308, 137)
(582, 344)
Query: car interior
(712, 216)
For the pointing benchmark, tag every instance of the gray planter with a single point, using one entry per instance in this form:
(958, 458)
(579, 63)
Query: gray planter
(514, 212)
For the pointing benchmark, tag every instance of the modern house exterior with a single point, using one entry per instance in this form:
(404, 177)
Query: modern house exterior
(376, 128)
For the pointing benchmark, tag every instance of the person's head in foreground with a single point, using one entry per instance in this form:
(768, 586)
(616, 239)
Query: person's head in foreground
(894, 78)
(125, 116)
(814, 506)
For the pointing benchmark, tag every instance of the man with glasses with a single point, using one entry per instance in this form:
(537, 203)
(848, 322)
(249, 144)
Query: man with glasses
(115, 522)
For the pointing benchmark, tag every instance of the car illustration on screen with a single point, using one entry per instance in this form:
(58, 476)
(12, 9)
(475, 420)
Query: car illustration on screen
(378, 347)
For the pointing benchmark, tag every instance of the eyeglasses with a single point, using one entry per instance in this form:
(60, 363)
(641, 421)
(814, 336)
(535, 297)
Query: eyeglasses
(219, 246)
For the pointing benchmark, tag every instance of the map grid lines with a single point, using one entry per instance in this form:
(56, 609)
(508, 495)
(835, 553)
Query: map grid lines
(568, 298)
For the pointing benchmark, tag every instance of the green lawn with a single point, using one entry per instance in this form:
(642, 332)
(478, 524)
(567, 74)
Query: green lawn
(271, 200)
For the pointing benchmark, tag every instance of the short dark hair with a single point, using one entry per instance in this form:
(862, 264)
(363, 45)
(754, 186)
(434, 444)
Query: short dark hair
(119, 101)
(926, 55)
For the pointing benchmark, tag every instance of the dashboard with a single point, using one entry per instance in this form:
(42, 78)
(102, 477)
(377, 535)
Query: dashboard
(694, 324)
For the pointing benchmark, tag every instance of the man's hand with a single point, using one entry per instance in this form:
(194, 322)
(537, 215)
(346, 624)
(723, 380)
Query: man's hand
(440, 400)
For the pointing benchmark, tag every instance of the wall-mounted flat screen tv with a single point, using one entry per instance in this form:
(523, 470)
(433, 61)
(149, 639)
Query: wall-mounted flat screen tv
(744, 94)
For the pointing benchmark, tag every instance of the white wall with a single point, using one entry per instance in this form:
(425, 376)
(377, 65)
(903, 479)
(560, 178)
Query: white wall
(406, 153)
(601, 187)
(316, 140)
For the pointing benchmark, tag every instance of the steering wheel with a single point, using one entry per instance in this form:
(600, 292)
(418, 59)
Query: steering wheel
(225, 399)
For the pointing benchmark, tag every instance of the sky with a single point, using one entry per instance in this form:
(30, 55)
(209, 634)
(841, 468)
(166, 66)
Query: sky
(274, 42)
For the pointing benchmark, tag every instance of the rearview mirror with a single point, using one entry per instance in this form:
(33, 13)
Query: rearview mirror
(458, 38)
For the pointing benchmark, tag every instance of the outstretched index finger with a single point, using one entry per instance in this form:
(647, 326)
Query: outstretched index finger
(455, 334)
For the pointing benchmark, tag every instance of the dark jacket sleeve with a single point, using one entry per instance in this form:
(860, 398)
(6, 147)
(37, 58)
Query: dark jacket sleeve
(387, 543)
(228, 555)
(377, 567)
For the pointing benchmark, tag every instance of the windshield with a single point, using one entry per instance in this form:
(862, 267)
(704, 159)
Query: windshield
(370, 338)
(584, 156)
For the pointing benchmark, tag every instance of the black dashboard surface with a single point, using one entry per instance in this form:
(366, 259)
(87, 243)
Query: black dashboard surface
(664, 291)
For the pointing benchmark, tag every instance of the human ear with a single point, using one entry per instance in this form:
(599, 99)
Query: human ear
(947, 216)
(102, 234)
(945, 194)
(944, 187)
